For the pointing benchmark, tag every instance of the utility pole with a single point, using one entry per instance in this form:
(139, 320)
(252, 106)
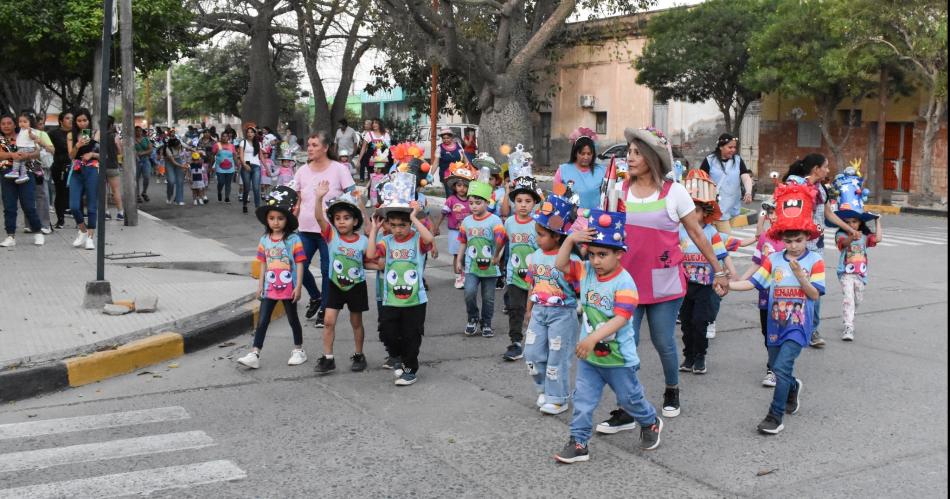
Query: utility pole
(148, 101)
(168, 89)
(129, 200)
(877, 169)
(434, 102)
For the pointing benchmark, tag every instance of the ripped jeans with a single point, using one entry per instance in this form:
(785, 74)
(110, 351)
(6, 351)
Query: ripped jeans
(549, 350)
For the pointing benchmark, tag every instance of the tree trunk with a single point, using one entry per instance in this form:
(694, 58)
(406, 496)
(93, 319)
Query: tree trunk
(261, 104)
(935, 110)
(877, 168)
(507, 121)
(129, 201)
(826, 120)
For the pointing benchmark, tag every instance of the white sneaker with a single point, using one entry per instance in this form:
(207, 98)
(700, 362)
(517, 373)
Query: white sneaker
(90, 243)
(252, 360)
(80, 239)
(848, 334)
(540, 400)
(554, 408)
(769, 379)
(711, 330)
(460, 281)
(181, 204)
(196, 202)
(39, 239)
(297, 357)
(46, 230)
(9, 242)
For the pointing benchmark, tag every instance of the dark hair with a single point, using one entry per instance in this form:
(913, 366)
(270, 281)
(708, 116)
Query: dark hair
(611, 247)
(344, 122)
(399, 216)
(63, 115)
(256, 141)
(110, 122)
(792, 233)
(579, 144)
(723, 140)
(382, 124)
(557, 235)
(803, 167)
(76, 114)
(29, 117)
(267, 230)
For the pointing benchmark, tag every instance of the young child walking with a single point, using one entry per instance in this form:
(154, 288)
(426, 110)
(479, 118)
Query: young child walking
(794, 279)
(607, 351)
(281, 254)
(347, 249)
(455, 209)
(197, 174)
(481, 241)
(522, 242)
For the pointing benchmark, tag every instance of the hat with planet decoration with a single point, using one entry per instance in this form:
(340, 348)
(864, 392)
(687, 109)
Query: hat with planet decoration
(610, 228)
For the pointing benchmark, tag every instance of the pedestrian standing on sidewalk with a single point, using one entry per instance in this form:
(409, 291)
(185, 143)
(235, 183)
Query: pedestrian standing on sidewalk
(250, 156)
(281, 255)
(84, 178)
(60, 169)
(143, 162)
(43, 174)
(14, 192)
(114, 171)
(224, 166)
(175, 169)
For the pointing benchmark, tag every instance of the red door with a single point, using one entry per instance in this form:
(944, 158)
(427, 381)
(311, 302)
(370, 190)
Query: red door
(898, 144)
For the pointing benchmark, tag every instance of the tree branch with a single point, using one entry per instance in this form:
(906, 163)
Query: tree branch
(519, 63)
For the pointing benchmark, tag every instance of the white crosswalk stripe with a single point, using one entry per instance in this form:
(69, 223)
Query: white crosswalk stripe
(120, 484)
(893, 238)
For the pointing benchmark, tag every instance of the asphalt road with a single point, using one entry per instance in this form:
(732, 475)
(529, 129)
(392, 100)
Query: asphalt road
(873, 421)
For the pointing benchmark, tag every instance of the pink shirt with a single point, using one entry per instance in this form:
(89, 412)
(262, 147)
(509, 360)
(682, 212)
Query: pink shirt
(306, 181)
(455, 210)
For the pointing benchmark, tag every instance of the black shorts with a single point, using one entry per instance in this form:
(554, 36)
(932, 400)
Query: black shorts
(355, 298)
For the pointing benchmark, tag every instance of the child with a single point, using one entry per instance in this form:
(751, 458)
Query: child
(198, 185)
(481, 238)
(455, 209)
(551, 309)
(25, 143)
(497, 182)
(287, 169)
(343, 157)
(281, 254)
(795, 278)
(522, 242)
(607, 350)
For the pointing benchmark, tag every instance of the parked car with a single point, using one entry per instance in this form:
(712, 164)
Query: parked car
(620, 150)
(457, 128)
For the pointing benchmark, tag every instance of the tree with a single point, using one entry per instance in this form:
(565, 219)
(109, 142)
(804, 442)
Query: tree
(702, 53)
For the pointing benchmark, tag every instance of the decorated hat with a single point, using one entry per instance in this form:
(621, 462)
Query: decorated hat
(380, 154)
(485, 161)
(482, 188)
(459, 172)
(285, 155)
(609, 226)
(282, 198)
(658, 142)
(397, 194)
(344, 152)
(703, 191)
(349, 203)
(849, 188)
(195, 156)
(556, 214)
(408, 158)
(519, 163)
(794, 204)
(526, 185)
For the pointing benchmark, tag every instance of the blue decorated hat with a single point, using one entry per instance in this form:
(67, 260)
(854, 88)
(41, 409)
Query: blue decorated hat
(610, 227)
(849, 187)
(555, 213)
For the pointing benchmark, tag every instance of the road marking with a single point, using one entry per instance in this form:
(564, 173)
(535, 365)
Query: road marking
(55, 456)
(93, 422)
(132, 483)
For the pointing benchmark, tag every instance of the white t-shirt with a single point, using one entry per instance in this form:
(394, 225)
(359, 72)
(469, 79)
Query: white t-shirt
(678, 201)
(249, 156)
(23, 138)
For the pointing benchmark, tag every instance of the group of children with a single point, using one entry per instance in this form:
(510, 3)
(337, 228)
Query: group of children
(567, 282)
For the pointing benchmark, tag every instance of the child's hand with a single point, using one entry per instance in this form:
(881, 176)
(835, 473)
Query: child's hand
(434, 253)
(375, 222)
(797, 270)
(582, 236)
(323, 187)
(260, 288)
(32, 135)
(458, 266)
(585, 347)
(296, 294)
(496, 260)
(415, 208)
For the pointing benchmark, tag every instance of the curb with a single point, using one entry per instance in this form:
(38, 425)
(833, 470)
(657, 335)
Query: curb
(744, 220)
(82, 370)
(883, 208)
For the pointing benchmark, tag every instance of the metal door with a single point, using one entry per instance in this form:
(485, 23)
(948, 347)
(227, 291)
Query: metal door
(898, 145)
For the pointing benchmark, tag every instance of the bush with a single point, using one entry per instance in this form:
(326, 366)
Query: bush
(403, 131)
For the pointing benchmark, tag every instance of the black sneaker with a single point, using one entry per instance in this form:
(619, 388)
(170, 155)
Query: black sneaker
(59, 225)
(324, 365)
(699, 365)
(312, 308)
(514, 352)
(244, 208)
(770, 425)
(145, 197)
(816, 341)
(794, 401)
(650, 435)
(359, 362)
(108, 216)
(320, 315)
(572, 452)
(500, 283)
(687, 365)
(425, 284)
(671, 403)
(487, 332)
(391, 362)
(619, 421)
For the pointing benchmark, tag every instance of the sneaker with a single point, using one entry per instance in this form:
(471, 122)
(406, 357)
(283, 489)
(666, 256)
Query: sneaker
(168, 201)
(80, 239)
(816, 340)
(22, 179)
(848, 334)
(90, 243)
(145, 197)
(252, 360)
(572, 452)
(514, 352)
(553, 409)
(406, 378)
(12, 174)
(120, 216)
(358, 362)
(46, 230)
(500, 283)
(650, 435)
(9, 242)
(540, 400)
(769, 379)
(196, 202)
(711, 330)
(619, 421)
(27, 230)
(312, 308)
(320, 316)
(108, 216)
(39, 239)
(687, 365)
(506, 310)
(794, 402)
(459, 281)
(699, 366)
(397, 368)
(471, 329)
(324, 365)
(297, 357)
(181, 204)
(487, 332)
(59, 225)
(671, 403)
(770, 425)
(205, 199)
(390, 362)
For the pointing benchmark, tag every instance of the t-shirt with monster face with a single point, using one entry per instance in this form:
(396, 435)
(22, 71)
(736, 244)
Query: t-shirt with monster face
(280, 258)
(853, 258)
(790, 311)
(549, 287)
(603, 298)
(521, 243)
(481, 236)
(402, 277)
(346, 258)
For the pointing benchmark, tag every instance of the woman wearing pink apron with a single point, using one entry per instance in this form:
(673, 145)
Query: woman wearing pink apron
(655, 208)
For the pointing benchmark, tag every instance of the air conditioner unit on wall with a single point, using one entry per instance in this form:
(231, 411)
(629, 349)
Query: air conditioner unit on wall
(587, 101)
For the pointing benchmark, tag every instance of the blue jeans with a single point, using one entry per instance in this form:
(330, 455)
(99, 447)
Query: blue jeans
(176, 184)
(662, 319)
(84, 182)
(589, 387)
(252, 184)
(782, 359)
(224, 182)
(549, 350)
(487, 284)
(143, 172)
(25, 193)
(313, 242)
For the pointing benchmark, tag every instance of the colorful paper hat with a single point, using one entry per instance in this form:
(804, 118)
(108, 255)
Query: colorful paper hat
(349, 203)
(526, 185)
(610, 227)
(480, 189)
(849, 187)
(287, 156)
(195, 156)
(380, 154)
(398, 193)
(703, 191)
(459, 172)
(556, 214)
(283, 199)
(676, 173)
(658, 142)
(794, 205)
(343, 152)
(485, 161)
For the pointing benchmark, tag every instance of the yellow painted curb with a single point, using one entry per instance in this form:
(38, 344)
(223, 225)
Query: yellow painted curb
(883, 208)
(739, 221)
(277, 314)
(126, 358)
(256, 269)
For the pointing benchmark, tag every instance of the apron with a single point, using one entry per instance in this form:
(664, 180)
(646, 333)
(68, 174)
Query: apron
(653, 255)
(727, 181)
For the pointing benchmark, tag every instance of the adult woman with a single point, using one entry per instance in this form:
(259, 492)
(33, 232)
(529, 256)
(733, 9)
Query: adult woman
(364, 166)
(43, 182)
(814, 169)
(143, 162)
(175, 169)
(60, 169)
(114, 171)
(726, 168)
(250, 156)
(11, 191)
(655, 210)
(470, 144)
(376, 137)
(84, 177)
(224, 165)
(449, 151)
(320, 167)
(581, 173)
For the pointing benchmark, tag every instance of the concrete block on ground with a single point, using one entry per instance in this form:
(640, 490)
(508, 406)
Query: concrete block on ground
(146, 304)
(114, 309)
(98, 294)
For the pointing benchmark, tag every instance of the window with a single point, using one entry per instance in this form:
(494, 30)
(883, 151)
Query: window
(809, 134)
(601, 120)
(849, 116)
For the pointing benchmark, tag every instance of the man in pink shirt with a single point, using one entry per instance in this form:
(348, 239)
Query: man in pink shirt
(319, 167)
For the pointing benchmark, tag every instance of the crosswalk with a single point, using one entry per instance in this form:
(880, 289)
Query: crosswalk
(894, 237)
(137, 482)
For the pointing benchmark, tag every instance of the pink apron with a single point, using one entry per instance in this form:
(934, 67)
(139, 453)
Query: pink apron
(653, 254)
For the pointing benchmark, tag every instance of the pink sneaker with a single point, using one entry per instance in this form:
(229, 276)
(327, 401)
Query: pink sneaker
(460, 281)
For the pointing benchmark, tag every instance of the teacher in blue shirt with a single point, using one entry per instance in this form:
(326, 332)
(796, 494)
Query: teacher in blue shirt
(581, 174)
